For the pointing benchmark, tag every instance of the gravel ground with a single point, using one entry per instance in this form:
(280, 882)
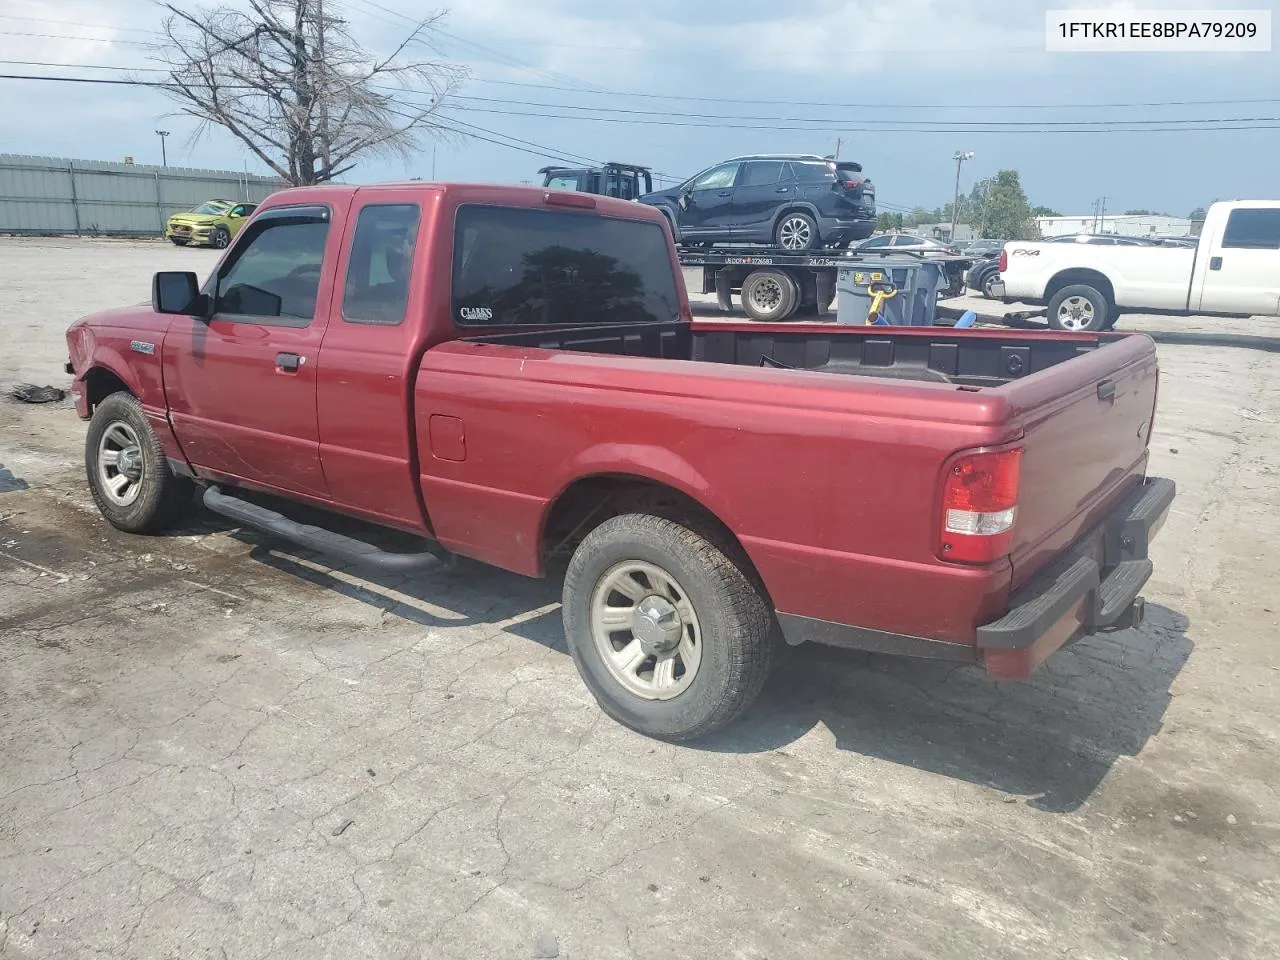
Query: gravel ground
(214, 746)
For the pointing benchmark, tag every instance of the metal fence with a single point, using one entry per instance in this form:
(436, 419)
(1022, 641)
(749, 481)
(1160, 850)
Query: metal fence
(44, 195)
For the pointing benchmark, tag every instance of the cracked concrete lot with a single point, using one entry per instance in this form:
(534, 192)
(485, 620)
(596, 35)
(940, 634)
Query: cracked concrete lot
(214, 746)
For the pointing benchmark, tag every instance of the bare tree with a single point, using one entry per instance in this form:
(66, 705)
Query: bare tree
(288, 80)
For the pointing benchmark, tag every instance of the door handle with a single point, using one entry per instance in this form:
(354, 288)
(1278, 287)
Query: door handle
(1107, 390)
(725, 193)
(782, 190)
(288, 362)
(1215, 263)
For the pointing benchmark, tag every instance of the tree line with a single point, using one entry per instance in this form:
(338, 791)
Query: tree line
(996, 207)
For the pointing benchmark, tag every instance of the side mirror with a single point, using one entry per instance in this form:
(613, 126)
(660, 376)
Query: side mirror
(178, 291)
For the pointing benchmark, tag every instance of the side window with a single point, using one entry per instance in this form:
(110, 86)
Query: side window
(878, 242)
(761, 173)
(377, 285)
(814, 172)
(1253, 227)
(276, 275)
(237, 211)
(563, 182)
(522, 267)
(717, 178)
(904, 240)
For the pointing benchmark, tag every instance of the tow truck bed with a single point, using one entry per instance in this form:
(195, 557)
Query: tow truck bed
(805, 280)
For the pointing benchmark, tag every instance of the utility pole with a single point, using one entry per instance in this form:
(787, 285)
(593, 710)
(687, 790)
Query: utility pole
(323, 92)
(433, 161)
(1102, 226)
(164, 156)
(839, 141)
(960, 157)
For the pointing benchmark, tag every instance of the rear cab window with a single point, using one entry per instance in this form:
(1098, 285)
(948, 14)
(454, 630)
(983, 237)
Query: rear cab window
(1256, 228)
(520, 267)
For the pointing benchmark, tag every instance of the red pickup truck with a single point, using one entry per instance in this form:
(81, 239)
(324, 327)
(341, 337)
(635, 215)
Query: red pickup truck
(514, 375)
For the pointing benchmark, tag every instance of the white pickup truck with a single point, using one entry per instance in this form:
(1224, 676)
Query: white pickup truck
(1233, 271)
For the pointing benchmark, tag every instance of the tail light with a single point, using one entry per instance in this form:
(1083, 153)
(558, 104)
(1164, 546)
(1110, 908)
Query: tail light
(1004, 260)
(980, 505)
(852, 183)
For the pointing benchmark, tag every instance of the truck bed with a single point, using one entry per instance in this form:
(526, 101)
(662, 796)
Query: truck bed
(858, 457)
(929, 355)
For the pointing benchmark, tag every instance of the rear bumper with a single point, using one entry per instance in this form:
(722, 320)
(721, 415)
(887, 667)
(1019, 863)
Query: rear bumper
(1093, 586)
(846, 229)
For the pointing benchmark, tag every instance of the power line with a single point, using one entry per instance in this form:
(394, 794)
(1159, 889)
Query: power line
(63, 36)
(76, 23)
(889, 105)
(830, 120)
(1241, 123)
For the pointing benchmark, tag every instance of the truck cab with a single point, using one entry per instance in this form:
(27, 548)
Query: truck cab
(622, 180)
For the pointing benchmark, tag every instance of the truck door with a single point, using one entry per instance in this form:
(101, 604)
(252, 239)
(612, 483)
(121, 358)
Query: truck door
(242, 385)
(365, 369)
(1240, 270)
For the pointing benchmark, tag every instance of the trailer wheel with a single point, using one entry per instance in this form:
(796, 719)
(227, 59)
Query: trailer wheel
(769, 295)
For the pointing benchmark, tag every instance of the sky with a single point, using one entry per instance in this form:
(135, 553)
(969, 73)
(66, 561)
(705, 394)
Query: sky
(681, 84)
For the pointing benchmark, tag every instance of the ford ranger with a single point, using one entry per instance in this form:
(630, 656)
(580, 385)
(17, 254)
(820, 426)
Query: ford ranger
(1233, 271)
(513, 375)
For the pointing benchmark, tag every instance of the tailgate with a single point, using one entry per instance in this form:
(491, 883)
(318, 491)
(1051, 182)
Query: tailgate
(1087, 425)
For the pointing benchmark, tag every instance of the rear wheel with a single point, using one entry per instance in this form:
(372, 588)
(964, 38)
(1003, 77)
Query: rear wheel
(769, 296)
(987, 282)
(669, 632)
(1079, 308)
(796, 231)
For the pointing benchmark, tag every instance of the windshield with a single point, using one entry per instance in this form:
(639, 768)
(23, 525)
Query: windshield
(212, 208)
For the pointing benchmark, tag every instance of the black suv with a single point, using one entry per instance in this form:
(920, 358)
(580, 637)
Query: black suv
(793, 201)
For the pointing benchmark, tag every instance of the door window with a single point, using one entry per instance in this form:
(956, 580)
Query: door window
(564, 182)
(717, 178)
(519, 267)
(377, 285)
(1255, 228)
(761, 173)
(276, 275)
(878, 242)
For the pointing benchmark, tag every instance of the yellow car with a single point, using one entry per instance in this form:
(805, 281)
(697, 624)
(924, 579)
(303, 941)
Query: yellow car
(213, 224)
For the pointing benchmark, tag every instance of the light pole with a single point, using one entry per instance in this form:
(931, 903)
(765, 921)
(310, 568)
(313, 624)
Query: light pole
(960, 157)
(164, 157)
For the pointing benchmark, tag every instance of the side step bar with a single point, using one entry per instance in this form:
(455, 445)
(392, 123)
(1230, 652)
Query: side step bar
(317, 538)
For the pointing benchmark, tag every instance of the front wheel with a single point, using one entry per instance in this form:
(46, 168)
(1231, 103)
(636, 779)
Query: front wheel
(1079, 308)
(220, 239)
(987, 282)
(669, 633)
(128, 474)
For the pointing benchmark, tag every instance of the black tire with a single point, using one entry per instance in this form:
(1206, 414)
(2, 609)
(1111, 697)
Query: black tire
(1111, 320)
(671, 224)
(736, 627)
(160, 496)
(796, 231)
(1079, 308)
(987, 280)
(769, 296)
(220, 239)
